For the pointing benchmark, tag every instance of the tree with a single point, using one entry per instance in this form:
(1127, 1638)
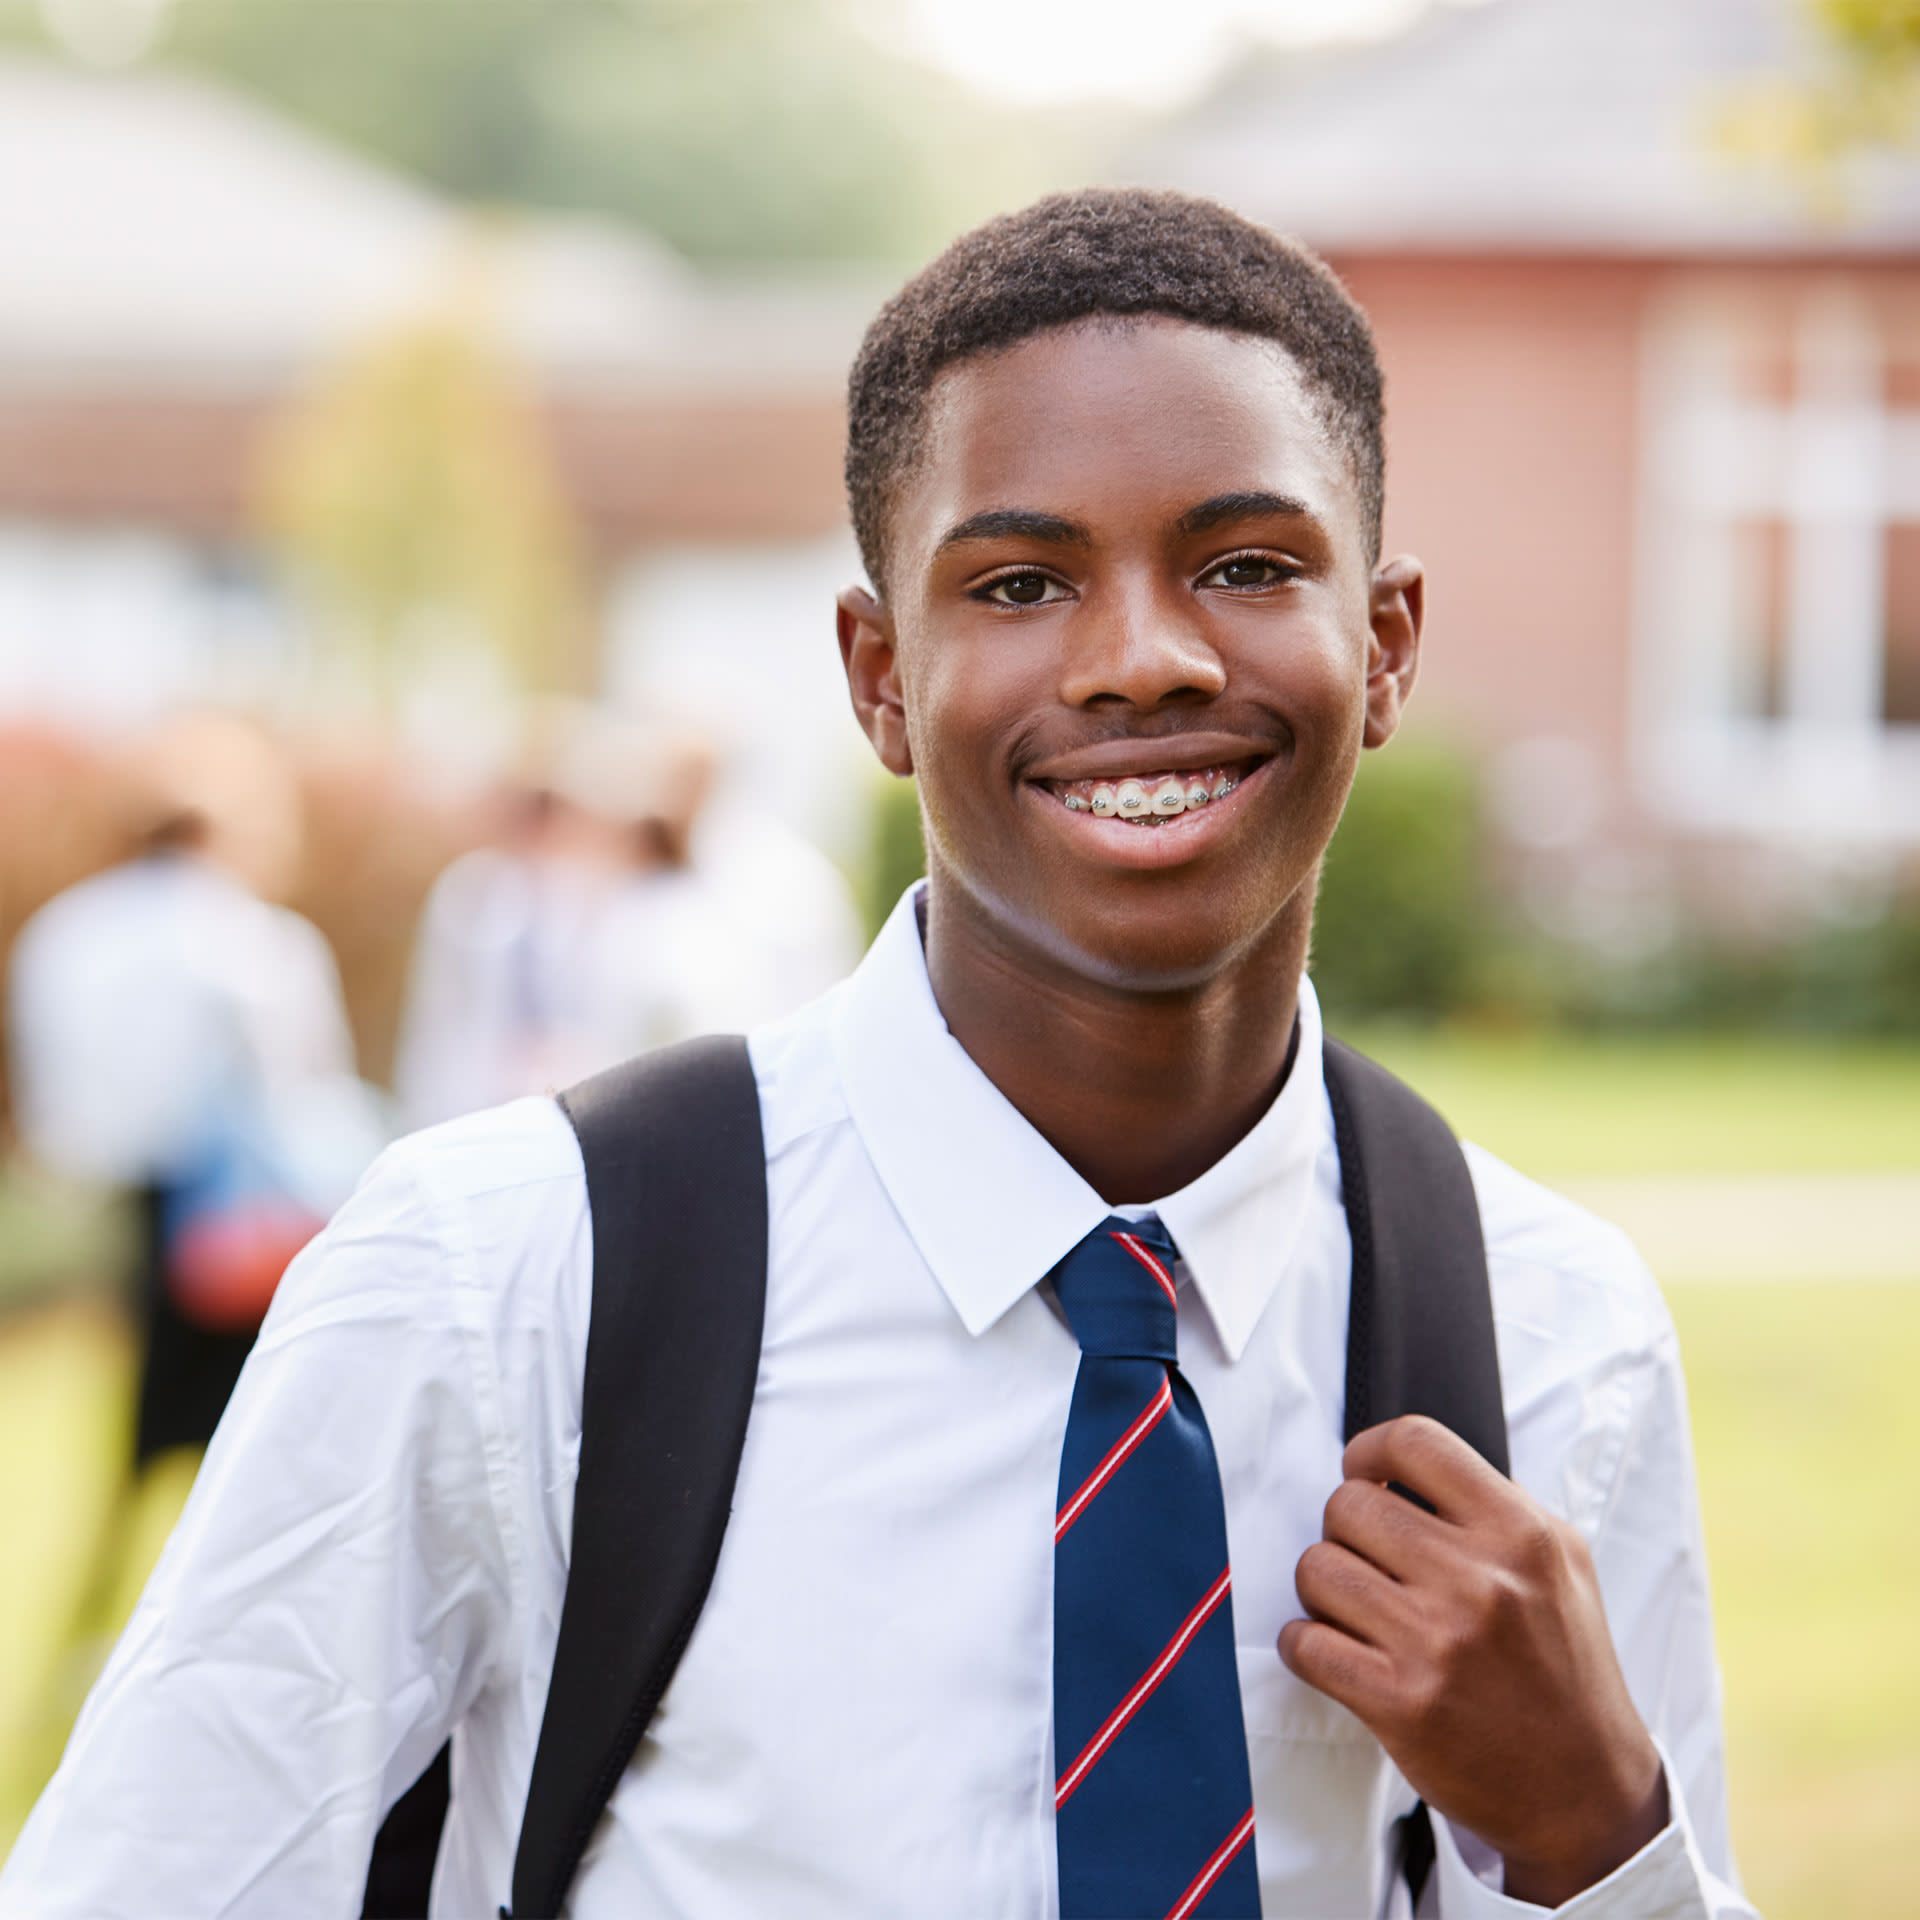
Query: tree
(1864, 94)
(410, 496)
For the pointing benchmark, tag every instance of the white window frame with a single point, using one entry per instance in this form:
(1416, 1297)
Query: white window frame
(1837, 467)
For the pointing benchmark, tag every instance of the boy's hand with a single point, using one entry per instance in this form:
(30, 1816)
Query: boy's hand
(1472, 1643)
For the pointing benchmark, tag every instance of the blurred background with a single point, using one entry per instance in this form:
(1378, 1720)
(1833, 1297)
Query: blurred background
(419, 511)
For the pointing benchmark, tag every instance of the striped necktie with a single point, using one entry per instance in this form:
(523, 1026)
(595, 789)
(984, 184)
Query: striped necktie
(1152, 1795)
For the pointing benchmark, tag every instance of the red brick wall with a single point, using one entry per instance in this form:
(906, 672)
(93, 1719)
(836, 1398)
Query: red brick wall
(1512, 449)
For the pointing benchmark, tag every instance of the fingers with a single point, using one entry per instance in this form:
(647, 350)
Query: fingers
(1438, 1465)
(1334, 1663)
(1340, 1589)
(1398, 1537)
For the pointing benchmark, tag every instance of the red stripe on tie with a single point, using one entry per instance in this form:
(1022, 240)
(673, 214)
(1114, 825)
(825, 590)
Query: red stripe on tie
(1069, 1781)
(1151, 1263)
(1214, 1868)
(1155, 1410)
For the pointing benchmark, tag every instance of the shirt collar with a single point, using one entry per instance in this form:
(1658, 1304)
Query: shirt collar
(990, 1204)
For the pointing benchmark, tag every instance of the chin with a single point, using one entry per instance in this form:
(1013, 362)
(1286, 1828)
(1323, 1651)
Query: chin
(1162, 950)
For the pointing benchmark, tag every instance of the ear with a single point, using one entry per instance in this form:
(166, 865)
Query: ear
(1397, 604)
(869, 654)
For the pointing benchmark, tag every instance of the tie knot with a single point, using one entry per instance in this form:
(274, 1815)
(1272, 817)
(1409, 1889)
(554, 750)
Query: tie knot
(1116, 1289)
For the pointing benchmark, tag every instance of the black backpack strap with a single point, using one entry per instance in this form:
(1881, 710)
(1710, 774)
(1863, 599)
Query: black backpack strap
(677, 1189)
(1420, 1320)
(677, 1182)
(400, 1874)
(1420, 1326)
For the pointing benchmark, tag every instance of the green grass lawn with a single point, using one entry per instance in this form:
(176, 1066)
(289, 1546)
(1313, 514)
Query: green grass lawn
(65, 1380)
(1808, 1436)
(1559, 1104)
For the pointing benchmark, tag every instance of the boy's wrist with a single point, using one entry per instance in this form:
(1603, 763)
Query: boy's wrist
(1556, 1875)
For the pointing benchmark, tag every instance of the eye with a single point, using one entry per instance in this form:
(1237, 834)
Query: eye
(1022, 590)
(1246, 570)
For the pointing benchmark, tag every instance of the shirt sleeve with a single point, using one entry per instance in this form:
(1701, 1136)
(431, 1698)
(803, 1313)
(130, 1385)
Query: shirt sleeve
(1651, 1559)
(334, 1597)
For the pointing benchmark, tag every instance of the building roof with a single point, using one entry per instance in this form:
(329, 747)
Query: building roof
(164, 231)
(1531, 125)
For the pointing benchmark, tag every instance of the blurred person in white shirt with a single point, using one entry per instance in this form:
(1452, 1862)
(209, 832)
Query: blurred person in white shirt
(626, 905)
(497, 1003)
(175, 1034)
(736, 919)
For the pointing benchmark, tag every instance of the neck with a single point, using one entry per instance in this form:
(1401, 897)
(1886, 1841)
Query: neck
(1139, 1091)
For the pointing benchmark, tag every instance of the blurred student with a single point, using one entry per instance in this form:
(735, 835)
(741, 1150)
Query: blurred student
(495, 1003)
(174, 1034)
(624, 906)
(734, 919)
(513, 988)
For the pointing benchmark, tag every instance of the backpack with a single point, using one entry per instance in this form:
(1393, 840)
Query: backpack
(674, 1160)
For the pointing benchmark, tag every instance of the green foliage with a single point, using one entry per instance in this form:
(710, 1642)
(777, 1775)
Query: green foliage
(896, 854)
(1404, 923)
(734, 129)
(1864, 93)
(1873, 29)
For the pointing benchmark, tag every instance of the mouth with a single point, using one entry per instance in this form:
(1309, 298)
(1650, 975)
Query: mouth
(1150, 799)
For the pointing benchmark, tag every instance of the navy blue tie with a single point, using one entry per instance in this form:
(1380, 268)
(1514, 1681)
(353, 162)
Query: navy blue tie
(1152, 1794)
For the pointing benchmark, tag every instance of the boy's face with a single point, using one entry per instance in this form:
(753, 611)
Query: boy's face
(1130, 551)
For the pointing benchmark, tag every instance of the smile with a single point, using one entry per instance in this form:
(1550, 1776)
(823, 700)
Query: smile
(1148, 799)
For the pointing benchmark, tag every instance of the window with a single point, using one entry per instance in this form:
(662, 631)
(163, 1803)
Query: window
(1777, 669)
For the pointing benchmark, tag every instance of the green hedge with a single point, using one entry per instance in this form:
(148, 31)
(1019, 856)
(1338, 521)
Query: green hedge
(896, 856)
(1404, 923)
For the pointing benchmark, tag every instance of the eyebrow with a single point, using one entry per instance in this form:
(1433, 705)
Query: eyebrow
(1001, 523)
(1242, 506)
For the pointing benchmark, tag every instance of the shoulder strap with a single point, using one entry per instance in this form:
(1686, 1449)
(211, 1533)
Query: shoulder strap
(677, 1192)
(677, 1184)
(1420, 1318)
(1420, 1326)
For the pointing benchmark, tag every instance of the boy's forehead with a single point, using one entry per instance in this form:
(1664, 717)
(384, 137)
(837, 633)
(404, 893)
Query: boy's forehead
(1121, 418)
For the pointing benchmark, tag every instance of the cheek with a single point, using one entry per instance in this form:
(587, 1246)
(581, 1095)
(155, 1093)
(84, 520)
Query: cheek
(946, 734)
(1314, 675)
(963, 697)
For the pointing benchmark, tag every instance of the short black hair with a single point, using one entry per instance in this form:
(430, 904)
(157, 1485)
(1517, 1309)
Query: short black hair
(1105, 252)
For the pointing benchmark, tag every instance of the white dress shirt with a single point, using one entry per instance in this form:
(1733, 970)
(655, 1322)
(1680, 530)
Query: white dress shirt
(376, 1551)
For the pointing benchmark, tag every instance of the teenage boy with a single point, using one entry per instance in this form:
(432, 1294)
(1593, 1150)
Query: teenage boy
(1115, 465)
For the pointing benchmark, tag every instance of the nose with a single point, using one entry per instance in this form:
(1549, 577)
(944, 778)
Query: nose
(1141, 645)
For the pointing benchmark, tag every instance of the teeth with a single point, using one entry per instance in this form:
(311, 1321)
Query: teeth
(1150, 798)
